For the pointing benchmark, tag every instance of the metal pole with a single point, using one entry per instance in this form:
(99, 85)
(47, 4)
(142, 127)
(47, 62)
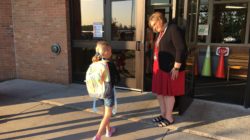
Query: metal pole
(247, 89)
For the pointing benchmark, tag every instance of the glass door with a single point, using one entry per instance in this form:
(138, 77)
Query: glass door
(121, 23)
(127, 33)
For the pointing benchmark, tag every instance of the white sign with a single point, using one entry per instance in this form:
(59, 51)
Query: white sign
(222, 50)
(203, 29)
(97, 30)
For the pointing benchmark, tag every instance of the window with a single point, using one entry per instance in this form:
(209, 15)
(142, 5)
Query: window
(203, 22)
(92, 17)
(229, 23)
(123, 23)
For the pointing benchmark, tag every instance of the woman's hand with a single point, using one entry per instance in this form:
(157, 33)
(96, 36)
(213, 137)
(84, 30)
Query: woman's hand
(174, 73)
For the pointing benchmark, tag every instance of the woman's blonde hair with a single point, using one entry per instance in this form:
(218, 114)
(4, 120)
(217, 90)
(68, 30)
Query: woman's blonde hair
(101, 47)
(156, 16)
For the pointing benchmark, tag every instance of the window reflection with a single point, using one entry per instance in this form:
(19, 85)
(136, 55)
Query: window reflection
(123, 20)
(92, 16)
(125, 62)
(229, 23)
(203, 20)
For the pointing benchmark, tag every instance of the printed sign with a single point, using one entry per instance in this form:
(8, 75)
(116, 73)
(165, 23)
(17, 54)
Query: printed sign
(97, 30)
(222, 51)
(203, 29)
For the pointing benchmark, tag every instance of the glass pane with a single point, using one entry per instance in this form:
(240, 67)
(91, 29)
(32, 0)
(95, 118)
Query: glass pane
(125, 62)
(229, 23)
(81, 59)
(92, 17)
(123, 20)
(203, 21)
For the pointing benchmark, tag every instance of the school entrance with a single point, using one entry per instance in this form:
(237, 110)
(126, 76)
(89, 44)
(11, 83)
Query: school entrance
(123, 23)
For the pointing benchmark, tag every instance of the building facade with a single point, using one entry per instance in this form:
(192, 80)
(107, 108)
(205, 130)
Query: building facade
(7, 52)
(29, 29)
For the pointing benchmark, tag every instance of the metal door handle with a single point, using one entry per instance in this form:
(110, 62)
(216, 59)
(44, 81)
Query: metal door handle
(138, 43)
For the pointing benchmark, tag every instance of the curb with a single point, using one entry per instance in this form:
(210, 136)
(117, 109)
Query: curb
(135, 119)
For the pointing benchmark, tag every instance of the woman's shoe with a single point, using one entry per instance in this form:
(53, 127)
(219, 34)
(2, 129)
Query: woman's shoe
(110, 132)
(164, 122)
(157, 119)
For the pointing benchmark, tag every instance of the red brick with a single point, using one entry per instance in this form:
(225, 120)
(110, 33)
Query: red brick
(28, 28)
(7, 52)
(37, 25)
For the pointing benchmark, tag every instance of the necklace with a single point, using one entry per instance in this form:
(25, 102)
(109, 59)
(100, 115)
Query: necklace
(160, 36)
(158, 40)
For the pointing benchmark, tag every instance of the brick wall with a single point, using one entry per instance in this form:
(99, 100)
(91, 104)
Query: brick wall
(37, 25)
(7, 52)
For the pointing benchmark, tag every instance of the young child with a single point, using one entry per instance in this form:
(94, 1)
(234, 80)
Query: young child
(104, 52)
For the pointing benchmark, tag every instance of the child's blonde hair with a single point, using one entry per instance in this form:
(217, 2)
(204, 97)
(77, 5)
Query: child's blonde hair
(101, 47)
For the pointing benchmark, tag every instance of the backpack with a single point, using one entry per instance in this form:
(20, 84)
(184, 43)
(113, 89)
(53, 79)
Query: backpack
(98, 80)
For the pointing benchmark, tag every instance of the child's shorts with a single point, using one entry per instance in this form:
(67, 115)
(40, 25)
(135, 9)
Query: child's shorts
(109, 101)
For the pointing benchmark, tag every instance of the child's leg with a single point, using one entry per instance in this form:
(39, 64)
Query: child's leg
(105, 121)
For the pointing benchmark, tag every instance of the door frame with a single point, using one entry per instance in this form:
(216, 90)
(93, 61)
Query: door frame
(137, 45)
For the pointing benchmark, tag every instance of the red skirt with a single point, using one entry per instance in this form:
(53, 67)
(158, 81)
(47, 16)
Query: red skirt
(162, 84)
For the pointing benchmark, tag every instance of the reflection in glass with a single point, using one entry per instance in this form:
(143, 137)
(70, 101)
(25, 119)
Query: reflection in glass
(123, 20)
(91, 14)
(203, 19)
(229, 23)
(125, 62)
(80, 63)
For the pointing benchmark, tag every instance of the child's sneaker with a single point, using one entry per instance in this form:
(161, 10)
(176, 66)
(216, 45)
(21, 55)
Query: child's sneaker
(96, 138)
(110, 132)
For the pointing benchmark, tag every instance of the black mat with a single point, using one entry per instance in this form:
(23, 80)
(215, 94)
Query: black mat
(220, 90)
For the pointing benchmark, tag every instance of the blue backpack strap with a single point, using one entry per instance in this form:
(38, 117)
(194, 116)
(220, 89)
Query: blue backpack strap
(94, 105)
(114, 111)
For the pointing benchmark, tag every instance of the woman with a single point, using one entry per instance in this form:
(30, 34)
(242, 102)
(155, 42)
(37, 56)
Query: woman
(168, 68)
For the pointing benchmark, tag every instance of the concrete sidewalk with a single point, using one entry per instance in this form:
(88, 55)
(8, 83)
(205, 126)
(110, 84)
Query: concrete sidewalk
(203, 119)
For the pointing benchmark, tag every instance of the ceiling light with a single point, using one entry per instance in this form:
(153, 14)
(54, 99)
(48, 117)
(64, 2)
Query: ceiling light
(234, 7)
(159, 4)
